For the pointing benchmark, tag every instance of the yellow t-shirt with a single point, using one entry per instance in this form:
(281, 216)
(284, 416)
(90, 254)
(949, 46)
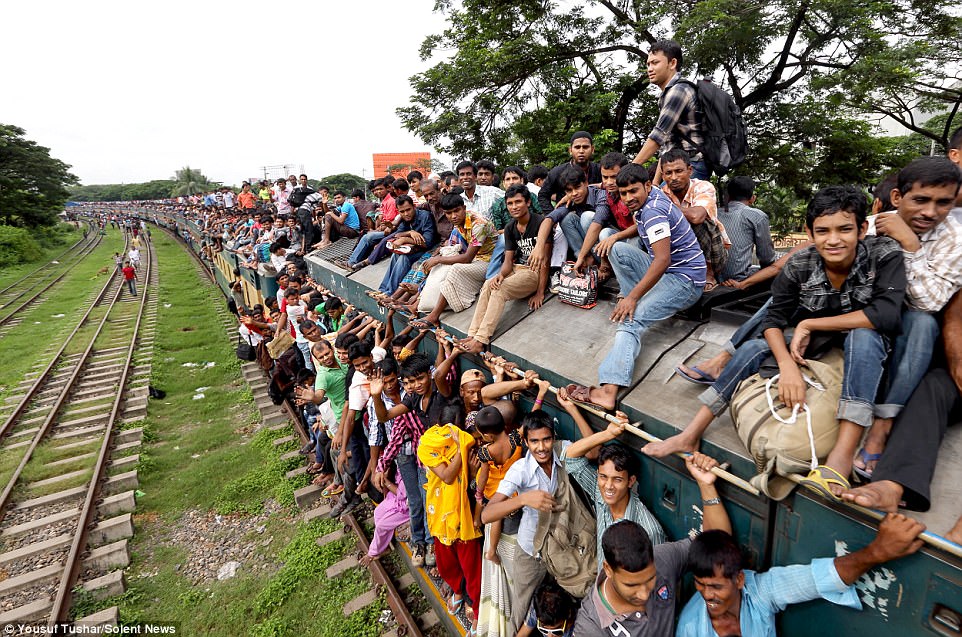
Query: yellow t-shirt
(448, 505)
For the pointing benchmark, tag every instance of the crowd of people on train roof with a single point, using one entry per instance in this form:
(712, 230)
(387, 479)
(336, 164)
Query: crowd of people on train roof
(536, 535)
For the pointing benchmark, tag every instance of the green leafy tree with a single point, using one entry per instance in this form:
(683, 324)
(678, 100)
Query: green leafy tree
(157, 189)
(344, 181)
(517, 78)
(188, 181)
(33, 185)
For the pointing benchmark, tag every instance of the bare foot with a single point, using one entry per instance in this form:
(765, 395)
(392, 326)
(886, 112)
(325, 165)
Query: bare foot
(883, 495)
(434, 317)
(471, 346)
(955, 535)
(679, 443)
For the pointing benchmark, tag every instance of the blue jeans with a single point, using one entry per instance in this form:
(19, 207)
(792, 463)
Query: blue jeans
(911, 356)
(415, 478)
(497, 259)
(364, 246)
(699, 170)
(305, 348)
(749, 329)
(400, 264)
(575, 228)
(865, 353)
(672, 293)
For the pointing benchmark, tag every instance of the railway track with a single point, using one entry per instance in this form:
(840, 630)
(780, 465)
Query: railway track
(68, 460)
(29, 290)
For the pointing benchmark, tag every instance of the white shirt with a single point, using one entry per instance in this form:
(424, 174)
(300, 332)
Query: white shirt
(527, 475)
(294, 314)
(249, 336)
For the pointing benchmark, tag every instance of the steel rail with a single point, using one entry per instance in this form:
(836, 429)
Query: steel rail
(61, 605)
(87, 249)
(41, 379)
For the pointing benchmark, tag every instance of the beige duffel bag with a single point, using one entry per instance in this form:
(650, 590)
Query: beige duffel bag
(782, 441)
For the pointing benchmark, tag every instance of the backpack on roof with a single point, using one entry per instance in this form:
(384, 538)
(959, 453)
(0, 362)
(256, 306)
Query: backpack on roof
(723, 129)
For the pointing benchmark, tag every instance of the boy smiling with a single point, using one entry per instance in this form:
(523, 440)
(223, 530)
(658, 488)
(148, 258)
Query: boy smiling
(846, 285)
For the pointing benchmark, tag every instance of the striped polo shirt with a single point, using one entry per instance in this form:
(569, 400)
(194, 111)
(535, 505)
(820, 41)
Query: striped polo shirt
(658, 219)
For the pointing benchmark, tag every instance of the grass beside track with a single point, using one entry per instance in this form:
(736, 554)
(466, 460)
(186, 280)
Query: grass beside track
(202, 455)
(15, 272)
(40, 334)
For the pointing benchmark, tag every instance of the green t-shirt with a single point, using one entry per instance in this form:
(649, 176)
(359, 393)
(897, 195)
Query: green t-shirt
(331, 380)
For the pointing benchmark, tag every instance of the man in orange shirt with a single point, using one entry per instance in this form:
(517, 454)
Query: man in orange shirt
(247, 200)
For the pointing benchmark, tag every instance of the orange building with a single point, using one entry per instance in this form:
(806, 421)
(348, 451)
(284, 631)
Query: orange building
(400, 164)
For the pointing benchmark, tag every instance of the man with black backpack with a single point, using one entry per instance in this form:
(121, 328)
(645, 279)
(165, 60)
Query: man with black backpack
(702, 120)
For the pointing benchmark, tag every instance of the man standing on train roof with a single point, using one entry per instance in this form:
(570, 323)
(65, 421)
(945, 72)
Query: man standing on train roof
(677, 124)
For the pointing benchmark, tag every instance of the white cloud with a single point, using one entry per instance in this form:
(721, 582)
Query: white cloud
(132, 91)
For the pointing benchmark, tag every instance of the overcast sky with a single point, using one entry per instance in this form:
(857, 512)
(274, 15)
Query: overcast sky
(131, 91)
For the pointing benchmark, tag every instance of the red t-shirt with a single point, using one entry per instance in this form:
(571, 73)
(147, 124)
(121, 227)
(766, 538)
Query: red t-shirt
(129, 273)
(619, 211)
(388, 209)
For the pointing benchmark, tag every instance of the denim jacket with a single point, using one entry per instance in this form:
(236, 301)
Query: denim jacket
(875, 285)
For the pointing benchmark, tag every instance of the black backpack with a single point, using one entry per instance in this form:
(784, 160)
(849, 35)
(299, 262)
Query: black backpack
(723, 128)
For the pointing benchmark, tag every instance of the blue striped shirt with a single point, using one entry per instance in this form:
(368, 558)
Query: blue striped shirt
(660, 218)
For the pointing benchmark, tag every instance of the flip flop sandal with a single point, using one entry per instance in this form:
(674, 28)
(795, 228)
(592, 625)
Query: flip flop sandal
(451, 603)
(866, 458)
(822, 478)
(333, 490)
(581, 394)
(703, 378)
(421, 324)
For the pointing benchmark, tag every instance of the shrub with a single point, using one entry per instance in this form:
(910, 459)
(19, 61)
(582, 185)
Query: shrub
(17, 246)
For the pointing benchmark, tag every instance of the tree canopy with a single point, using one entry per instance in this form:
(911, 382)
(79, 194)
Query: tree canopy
(343, 181)
(188, 181)
(33, 185)
(157, 189)
(522, 75)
